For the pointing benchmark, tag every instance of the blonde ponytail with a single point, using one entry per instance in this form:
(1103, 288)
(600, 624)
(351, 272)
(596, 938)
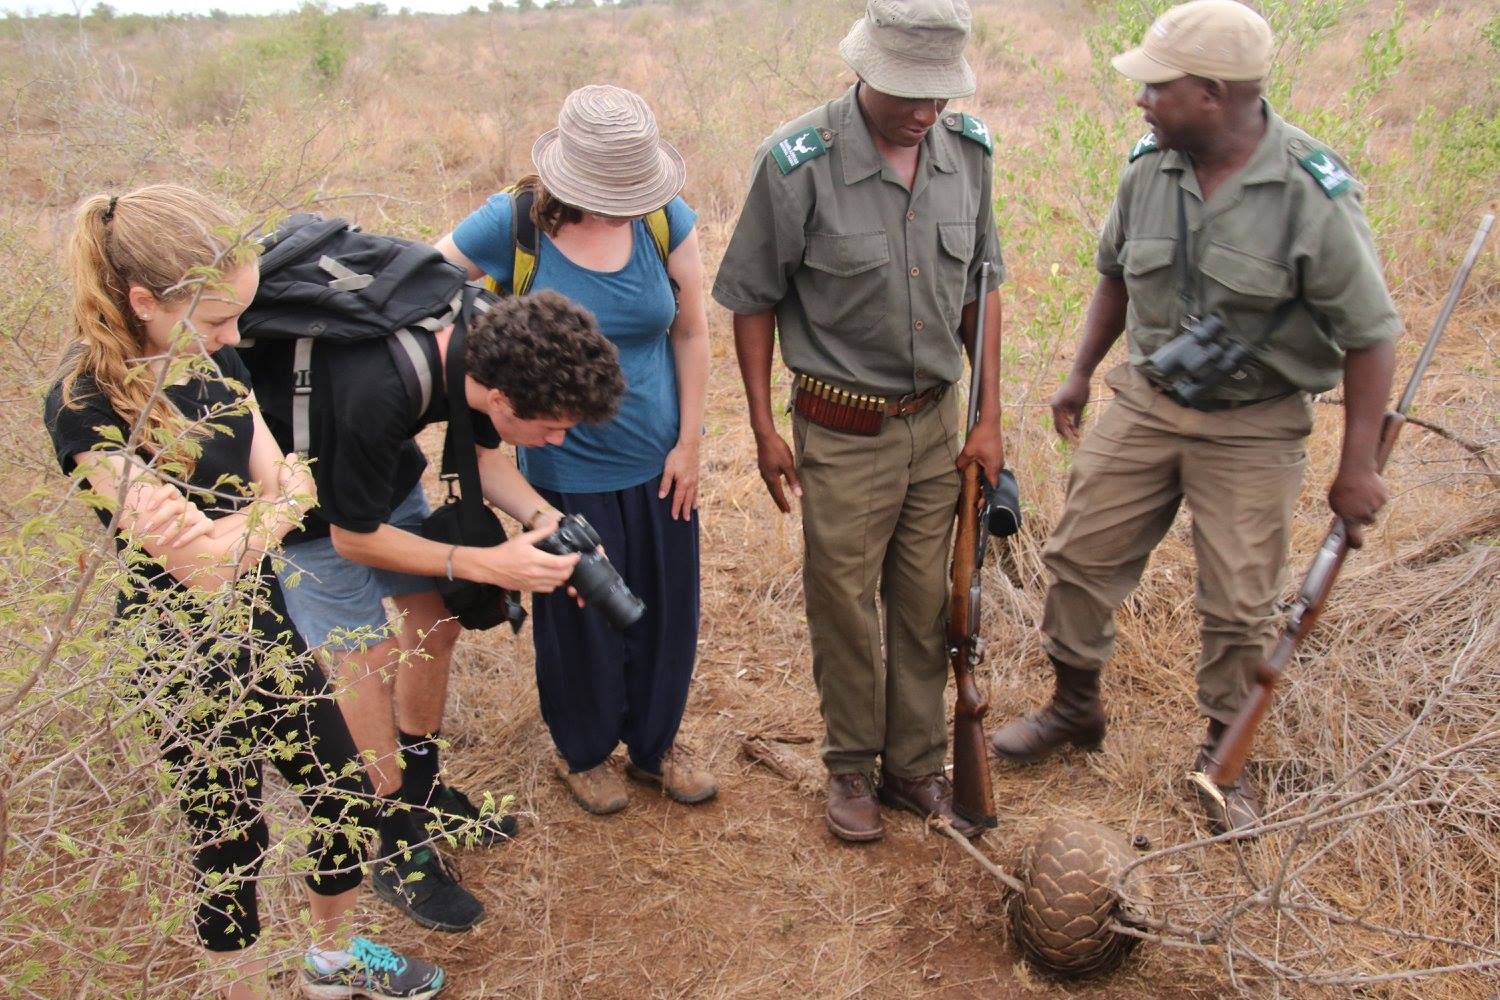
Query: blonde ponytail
(162, 238)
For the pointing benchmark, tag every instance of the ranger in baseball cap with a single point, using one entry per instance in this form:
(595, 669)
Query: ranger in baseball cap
(1215, 39)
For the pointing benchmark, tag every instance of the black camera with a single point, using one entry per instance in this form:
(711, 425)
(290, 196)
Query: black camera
(597, 582)
(1198, 358)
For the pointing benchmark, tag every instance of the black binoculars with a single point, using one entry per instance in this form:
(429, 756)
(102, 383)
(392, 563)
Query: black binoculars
(1197, 359)
(595, 580)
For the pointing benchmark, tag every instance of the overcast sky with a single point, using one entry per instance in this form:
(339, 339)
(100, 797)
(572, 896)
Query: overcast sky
(236, 6)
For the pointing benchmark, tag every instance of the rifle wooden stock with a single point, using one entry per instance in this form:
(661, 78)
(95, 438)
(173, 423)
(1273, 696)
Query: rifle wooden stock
(973, 797)
(1234, 746)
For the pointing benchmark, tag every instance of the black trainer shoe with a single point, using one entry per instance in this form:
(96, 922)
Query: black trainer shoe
(453, 814)
(374, 971)
(418, 883)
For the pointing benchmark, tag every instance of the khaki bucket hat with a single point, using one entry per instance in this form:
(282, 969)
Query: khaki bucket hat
(1216, 39)
(606, 156)
(912, 48)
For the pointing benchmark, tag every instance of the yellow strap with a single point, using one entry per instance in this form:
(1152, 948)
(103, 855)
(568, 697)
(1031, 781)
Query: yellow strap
(661, 233)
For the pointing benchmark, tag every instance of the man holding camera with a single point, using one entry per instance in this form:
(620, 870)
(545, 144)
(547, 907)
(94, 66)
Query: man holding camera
(534, 367)
(1238, 262)
(862, 240)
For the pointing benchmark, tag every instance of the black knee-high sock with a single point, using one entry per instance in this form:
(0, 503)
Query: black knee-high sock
(419, 767)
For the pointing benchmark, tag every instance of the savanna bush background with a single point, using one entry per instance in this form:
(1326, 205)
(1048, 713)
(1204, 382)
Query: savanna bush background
(405, 123)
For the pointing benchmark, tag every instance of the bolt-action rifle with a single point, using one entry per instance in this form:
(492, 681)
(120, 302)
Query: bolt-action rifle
(1234, 747)
(973, 798)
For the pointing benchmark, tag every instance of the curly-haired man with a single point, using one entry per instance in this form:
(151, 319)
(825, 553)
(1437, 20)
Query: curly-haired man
(535, 366)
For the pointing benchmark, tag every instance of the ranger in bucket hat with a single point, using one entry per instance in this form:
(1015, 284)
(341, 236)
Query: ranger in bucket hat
(861, 241)
(1225, 212)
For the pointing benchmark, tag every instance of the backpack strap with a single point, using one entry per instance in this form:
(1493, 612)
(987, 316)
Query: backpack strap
(524, 234)
(661, 234)
(302, 395)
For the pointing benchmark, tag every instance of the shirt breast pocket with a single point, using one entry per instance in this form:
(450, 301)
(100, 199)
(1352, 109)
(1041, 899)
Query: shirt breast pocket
(1244, 282)
(1148, 281)
(846, 286)
(957, 242)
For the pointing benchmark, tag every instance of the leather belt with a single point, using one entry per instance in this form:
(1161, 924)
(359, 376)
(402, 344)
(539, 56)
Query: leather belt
(1216, 405)
(856, 412)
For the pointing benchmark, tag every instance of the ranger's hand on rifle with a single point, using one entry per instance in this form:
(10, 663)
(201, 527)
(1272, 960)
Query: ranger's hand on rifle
(1356, 496)
(776, 463)
(985, 446)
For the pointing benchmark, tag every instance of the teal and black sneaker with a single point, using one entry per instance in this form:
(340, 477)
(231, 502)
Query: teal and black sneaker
(374, 971)
(420, 884)
(452, 813)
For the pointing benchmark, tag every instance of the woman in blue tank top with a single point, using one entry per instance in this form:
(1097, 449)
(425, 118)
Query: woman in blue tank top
(601, 223)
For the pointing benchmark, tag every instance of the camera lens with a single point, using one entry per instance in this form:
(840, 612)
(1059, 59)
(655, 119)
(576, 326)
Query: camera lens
(602, 588)
(596, 580)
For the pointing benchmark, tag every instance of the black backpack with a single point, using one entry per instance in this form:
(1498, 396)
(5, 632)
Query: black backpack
(325, 280)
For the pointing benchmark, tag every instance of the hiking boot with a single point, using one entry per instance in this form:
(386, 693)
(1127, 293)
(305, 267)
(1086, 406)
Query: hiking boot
(678, 776)
(1074, 715)
(419, 884)
(929, 795)
(598, 790)
(450, 813)
(853, 811)
(373, 971)
(1228, 807)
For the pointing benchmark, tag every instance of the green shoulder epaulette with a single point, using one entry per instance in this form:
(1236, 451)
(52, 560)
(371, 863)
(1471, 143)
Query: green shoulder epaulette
(970, 128)
(799, 147)
(1325, 168)
(1146, 144)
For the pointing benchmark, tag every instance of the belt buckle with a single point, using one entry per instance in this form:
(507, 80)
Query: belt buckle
(909, 404)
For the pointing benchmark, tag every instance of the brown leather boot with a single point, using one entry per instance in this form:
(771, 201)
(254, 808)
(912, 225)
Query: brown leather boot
(929, 795)
(1228, 807)
(853, 812)
(1074, 715)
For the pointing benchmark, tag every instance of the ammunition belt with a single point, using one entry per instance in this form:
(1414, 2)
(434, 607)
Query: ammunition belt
(855, 412)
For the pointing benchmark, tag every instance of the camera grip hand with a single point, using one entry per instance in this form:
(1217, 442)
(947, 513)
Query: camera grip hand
(517, 564)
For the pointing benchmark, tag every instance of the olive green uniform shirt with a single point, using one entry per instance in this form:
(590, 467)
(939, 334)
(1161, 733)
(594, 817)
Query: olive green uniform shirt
(868, 280)
(1289, 224)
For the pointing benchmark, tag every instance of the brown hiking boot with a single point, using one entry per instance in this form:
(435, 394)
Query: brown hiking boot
(853, 812)
(679, 777)
(1228, 807)
(929, 795)
(598, 790)
(1074, 715)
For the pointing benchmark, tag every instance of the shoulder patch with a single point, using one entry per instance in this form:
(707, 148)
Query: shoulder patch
(799, 147)
(970, 128)
(1326, 170)
(1145, 144)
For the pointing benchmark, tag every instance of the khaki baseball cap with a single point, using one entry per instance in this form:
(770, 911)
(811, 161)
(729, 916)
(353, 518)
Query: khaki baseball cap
(1216, 39)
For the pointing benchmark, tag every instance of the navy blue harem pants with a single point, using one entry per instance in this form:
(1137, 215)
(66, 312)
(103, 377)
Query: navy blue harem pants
(599, 687)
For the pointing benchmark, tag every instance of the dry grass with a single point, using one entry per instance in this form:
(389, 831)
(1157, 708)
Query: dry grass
(749, 896)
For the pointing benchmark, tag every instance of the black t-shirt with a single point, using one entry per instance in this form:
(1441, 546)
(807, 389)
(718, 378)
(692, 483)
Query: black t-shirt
(362, 422)
(220, 483)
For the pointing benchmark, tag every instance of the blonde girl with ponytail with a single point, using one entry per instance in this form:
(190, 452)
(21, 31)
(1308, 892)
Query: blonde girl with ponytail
(159, 273)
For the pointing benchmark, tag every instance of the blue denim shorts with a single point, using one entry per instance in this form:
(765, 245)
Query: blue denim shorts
(337, 603)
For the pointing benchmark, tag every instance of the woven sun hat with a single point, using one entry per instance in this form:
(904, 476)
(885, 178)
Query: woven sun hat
(912, 48)
(606, 156)
(1216, 39)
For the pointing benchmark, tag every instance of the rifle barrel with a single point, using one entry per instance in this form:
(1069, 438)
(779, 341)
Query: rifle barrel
(976, 364)
(1454, 291)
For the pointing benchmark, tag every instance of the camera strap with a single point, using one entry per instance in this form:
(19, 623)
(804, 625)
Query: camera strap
(1191, 296)
(459, 462)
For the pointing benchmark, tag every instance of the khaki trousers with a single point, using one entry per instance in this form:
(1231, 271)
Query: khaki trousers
(877, 516)
(1240, 471)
